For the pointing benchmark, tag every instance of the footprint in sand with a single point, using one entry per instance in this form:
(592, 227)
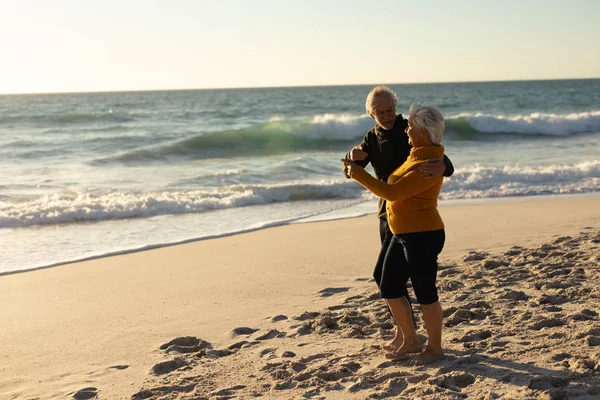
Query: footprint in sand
(227, 392)
(307, 316)
(593, 341)
(238, 345)
(451, 285)
(513, 251)
(561, 356)
(278, 318)
(493, 264)
(552, 299)
(243, 330)
(584, 315)
(476, 256)
(331, 291)
(448, 272)
(86, 393)
(186, 344)
(267, 352)
(456, 381)
(168, 366)
(161, 391)
(548, 382)
(213, 353)
(475, 336)
(340, 307)
(548, 323)
(271, 334)
(463, 316)
(515, 295)
(119, 367)
(552, 309)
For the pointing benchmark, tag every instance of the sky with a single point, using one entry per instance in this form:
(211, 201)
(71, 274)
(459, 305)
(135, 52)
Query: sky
(110, 45)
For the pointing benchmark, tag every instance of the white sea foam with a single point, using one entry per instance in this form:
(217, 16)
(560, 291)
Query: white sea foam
(476, 181)
(68, 207)
(327, 126)
(534, 123)
(471, 181)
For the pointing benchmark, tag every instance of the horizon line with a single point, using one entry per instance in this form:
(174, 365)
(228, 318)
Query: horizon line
(287, 87)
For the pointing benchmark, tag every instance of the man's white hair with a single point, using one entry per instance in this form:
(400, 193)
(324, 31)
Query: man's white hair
(380, 91)
(431, 119)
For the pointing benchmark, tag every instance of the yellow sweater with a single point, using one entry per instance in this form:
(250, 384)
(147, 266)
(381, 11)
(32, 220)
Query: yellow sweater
(411, 199)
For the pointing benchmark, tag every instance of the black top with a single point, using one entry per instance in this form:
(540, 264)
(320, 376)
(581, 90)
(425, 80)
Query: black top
(387, 150)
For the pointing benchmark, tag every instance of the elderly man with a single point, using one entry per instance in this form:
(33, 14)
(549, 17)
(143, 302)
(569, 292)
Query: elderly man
(386, 147)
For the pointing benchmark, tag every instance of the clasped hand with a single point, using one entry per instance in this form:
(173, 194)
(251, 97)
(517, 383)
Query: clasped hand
(351, 167)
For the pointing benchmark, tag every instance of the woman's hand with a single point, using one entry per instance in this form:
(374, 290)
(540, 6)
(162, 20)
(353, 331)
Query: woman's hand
(351, 167)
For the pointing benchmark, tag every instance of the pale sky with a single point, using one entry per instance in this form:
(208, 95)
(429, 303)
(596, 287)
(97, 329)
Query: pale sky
(109, 45)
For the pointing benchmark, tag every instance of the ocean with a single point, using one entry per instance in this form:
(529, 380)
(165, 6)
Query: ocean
(92, 174)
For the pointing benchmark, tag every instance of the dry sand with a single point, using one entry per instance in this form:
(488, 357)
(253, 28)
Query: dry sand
(290, 312)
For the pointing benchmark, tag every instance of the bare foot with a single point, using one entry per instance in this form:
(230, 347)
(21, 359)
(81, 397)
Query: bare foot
(394, 345)
(428, 357)
(404, 351)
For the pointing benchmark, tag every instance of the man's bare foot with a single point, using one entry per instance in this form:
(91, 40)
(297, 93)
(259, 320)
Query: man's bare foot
(428, 357)
(404, 351)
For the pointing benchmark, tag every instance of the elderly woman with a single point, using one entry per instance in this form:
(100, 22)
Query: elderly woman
(418, 233)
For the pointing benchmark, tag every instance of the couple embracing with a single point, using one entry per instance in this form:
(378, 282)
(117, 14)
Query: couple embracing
(409, 164)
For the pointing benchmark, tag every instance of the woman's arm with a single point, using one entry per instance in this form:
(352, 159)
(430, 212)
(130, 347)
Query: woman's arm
(409, 185)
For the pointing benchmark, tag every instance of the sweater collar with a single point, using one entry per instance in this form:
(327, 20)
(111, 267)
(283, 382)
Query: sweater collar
(426, 152)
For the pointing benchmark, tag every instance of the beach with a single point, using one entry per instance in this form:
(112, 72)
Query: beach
(291, 312)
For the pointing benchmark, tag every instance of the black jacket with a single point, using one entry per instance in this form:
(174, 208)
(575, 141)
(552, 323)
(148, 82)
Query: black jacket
(387, 150)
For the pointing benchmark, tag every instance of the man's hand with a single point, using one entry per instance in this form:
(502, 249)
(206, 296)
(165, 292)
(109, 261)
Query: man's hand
(357, 154)
(351, 167)
(434, 167)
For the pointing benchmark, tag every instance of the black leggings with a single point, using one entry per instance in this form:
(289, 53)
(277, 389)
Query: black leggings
(386, 235)
(414, 256)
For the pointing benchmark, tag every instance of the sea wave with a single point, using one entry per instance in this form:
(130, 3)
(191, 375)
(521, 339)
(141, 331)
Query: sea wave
(278, 136)
(70, 207)
(529, 124)
(477, 181)
(471, 181)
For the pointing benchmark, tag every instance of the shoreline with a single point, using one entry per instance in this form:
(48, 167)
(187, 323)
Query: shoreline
(305, 220)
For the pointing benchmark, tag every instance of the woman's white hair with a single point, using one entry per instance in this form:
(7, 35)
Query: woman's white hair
(379, 91)
(429, 118)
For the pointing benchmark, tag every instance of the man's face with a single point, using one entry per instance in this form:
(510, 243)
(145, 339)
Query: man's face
(384, 112)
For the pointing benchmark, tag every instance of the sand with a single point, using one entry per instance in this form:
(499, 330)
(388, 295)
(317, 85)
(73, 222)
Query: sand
(291, 312)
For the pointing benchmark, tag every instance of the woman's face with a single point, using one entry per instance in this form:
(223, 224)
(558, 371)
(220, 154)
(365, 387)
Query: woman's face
(416, 134)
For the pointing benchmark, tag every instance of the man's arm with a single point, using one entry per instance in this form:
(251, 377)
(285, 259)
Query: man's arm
(449, 167)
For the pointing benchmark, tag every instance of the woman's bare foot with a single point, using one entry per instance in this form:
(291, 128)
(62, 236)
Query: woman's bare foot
(393, 346)
(403, 351)
(396, 343)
